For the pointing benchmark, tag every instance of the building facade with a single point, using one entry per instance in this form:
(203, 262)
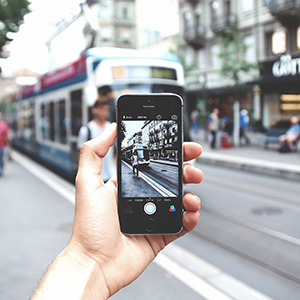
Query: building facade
(272, 35)
(100, 23)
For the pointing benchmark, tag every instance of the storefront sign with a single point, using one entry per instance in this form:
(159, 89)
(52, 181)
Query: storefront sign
(287, 66)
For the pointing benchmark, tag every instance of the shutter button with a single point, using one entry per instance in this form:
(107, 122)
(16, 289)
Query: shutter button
(150, 208)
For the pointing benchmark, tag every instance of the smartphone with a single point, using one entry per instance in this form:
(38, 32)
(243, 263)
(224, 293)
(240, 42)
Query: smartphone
(150, 158)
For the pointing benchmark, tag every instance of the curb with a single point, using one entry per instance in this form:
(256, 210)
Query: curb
(252, 165)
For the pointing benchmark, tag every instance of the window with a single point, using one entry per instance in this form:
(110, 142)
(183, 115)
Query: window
(76, 111)
(215, 60)
(104, 12)
(201, 59)
(250, 52)
(50, 108)
(279, 42)
(298, 38)
(61, 123)
(125, 13)
(247, 6)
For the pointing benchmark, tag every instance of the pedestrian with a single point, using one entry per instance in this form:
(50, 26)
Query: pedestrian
(244, 122)
(135, 161)
(227, 132)
(213, 126)
(194, 120)
(99, 260)
(4, 141)
(94, 128)
(291, 136)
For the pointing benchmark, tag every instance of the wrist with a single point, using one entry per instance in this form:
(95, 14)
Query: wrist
(89, 271)
(73, 275)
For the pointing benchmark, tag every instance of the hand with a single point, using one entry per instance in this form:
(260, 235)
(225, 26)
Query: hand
(96, 234)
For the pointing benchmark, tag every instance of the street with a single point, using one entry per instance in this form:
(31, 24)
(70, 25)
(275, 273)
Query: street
(156, 180)
(246, 245)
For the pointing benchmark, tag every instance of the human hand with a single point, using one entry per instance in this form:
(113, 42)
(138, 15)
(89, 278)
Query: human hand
(96, 238)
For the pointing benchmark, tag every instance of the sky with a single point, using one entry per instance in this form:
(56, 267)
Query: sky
(28, 49)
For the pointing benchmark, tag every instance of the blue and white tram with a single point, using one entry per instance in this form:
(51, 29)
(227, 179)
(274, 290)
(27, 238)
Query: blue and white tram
(142, 152)
(49, 114)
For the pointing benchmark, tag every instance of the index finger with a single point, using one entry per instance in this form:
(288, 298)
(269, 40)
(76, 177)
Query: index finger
(191, 150)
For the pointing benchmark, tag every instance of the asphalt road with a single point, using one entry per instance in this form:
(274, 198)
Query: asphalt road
(245, 246)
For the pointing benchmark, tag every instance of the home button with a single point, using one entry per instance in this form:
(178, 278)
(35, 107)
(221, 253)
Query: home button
(150, 225)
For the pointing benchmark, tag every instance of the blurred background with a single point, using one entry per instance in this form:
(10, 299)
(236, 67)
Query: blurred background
(238, 57)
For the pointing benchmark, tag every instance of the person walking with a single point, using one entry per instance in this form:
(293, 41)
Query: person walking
(4, 141)
(213, 126)
(244, 122)
(94, 128)
(135, 161)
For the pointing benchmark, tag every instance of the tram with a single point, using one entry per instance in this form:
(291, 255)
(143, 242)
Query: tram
(46, 117)
(142, 152)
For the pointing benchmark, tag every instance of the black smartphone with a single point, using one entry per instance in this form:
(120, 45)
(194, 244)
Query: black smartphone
(150, 162)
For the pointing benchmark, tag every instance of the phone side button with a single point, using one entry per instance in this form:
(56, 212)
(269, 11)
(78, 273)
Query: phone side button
(150, 225)
(150, 208)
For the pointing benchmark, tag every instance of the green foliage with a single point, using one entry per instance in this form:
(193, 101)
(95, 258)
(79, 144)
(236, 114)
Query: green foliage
(12, 14)
(179, 51)
(233, 62)
(123, 131)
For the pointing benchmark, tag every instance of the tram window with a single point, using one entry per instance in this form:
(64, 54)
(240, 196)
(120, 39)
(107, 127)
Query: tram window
(44, 123)
(76, 111)
(51, 121)
(62, 122)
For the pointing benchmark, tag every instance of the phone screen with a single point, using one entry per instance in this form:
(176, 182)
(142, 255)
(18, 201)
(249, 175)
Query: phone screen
(150, 163)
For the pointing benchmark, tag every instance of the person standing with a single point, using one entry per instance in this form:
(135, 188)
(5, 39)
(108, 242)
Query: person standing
(194, 120)
(4, 140)
(213, 126)
(94, 128)
(135, 161)
(244, 122)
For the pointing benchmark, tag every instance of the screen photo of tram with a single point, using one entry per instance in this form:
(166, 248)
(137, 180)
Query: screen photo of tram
(149, 158)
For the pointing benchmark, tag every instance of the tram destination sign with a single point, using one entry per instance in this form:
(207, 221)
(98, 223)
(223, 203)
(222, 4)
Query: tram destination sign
(132, 72)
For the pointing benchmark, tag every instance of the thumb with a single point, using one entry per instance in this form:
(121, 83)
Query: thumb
(92, 152)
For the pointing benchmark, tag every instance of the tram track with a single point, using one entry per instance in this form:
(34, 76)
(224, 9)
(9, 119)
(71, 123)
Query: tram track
(243, 236)
(164, 175)
(242, 188)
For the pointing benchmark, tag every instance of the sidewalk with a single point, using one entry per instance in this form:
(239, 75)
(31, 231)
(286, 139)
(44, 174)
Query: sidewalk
(252, 158)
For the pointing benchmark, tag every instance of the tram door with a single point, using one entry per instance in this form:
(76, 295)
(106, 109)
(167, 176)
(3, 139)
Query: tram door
(76, 123)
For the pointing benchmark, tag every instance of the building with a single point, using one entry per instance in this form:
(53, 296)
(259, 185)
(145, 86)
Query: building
(100, 23)
(161, 138)
(272, 36)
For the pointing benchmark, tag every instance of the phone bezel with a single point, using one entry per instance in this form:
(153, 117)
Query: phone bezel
(128, 224)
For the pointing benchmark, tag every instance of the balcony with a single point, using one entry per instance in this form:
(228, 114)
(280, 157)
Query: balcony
(195, 36)
(219, 23)
(286, 11)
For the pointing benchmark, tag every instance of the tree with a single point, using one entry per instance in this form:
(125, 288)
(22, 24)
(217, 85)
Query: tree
(123, 132)
(180, 51)
(12, 14)
(233, 62)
